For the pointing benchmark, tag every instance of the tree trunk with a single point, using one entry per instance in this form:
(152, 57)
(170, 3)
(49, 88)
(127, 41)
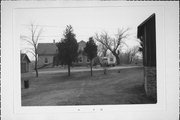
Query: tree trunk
(104, 53)
(36, 66)
(91, 67)
(130, 60)
(117, 59)
(69, 72)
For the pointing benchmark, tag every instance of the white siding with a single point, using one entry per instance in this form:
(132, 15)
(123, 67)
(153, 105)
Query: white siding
(41, 60)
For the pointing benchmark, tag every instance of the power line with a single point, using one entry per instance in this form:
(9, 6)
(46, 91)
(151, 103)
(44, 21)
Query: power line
(42, 25)
(79, 27)
(60, 36)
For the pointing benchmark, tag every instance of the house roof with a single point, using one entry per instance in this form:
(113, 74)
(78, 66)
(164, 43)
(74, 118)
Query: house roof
(82, 45)
(47, 49)
(82, 41)
(51, 48)
(24, 56)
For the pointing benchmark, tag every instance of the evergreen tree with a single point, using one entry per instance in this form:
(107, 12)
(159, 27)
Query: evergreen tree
(91, 50)
(68, 48)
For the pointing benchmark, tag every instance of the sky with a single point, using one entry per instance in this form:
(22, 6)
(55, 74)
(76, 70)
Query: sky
(85, 22)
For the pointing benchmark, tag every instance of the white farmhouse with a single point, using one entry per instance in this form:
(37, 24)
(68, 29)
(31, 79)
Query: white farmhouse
(46, 54)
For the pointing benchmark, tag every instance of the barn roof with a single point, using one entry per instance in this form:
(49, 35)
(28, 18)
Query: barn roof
(23, 56)
(47, 49)
(141, 26)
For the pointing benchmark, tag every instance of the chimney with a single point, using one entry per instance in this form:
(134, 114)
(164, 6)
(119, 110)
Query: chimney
(54, 41)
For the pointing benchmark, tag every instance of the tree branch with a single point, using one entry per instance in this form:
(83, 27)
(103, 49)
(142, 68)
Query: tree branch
(120, 36)
(104, 39)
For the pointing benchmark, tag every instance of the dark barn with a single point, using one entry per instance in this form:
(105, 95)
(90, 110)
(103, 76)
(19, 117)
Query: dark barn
(147, 34)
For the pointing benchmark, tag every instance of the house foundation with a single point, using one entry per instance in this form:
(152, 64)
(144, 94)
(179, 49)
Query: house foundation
(150, 82)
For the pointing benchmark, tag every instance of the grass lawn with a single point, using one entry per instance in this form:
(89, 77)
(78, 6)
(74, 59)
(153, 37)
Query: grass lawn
(125, 87)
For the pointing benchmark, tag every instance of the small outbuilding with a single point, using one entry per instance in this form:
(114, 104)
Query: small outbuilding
(24, 63)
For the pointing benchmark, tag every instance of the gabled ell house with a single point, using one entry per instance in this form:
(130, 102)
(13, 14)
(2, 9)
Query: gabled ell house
(47, 55)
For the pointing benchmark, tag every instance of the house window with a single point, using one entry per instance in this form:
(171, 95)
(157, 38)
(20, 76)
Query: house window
(45, 60)
(111, 59)
(80, 59)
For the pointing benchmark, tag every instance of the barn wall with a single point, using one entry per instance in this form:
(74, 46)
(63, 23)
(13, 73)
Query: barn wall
(150, 43)
(150, 58)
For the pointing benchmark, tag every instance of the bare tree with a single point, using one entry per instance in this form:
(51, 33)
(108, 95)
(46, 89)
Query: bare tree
(32, 40)
(131, 53)
(102, 50)
(113, 43)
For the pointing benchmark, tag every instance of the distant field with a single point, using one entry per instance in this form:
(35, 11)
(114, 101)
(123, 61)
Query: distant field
(80, 88)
